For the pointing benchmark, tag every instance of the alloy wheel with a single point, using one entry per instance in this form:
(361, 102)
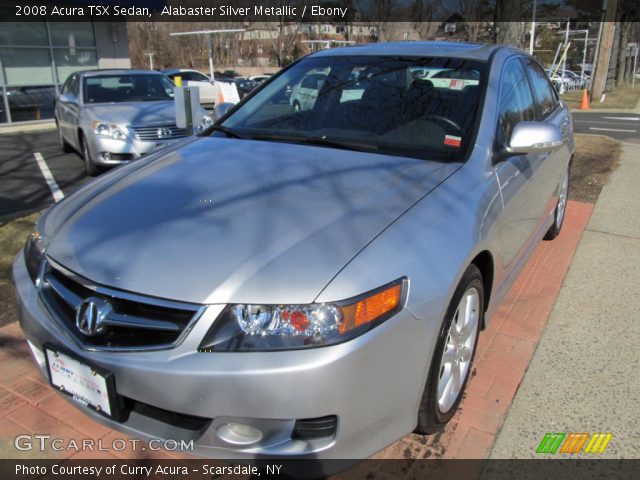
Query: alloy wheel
(458, 351)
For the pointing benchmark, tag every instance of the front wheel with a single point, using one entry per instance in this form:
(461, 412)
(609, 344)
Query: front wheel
(454, 353)
(561, 207)
(90, 167)
(64, 145)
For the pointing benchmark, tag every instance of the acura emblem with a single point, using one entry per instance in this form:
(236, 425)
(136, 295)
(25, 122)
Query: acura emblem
(90, 315)
(163, 132)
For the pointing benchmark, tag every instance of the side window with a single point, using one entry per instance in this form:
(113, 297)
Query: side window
(310, 82)
(198, 77)
(516, 101)
(545, 94)
(70, 86)
(65, 87)
(73, 87)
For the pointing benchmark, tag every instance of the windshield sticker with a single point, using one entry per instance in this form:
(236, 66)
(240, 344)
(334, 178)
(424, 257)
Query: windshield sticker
(456, 84)
(452, 140)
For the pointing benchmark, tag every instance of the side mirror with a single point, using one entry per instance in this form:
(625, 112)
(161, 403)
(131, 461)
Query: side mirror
(67, 98)
(534, 137)
(221, 109)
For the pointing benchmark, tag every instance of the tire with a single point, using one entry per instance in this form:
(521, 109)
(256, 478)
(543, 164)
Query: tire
(90, 168)
(64, 145)
(561, 206)
(436, 409)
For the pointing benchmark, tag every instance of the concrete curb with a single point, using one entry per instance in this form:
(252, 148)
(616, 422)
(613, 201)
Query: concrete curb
(27, 127)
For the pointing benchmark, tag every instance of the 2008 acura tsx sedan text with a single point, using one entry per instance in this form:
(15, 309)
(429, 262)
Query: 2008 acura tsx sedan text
(304, 282)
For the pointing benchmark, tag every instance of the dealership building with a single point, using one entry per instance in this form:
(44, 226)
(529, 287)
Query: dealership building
(37, 57)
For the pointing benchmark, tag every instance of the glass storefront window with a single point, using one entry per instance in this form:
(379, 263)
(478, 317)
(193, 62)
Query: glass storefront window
(31, 102)
(26, 66)
(69, 60)
(24, 33)
(3, 114)
(72, 34)
(28, 72)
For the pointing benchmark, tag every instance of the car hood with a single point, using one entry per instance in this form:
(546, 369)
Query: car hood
(235, 221)
(135, 113)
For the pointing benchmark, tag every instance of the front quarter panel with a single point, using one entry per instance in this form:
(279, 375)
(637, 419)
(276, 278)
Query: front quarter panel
(432, 244)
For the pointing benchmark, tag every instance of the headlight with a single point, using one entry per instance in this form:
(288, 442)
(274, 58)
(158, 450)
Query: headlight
(109, 131)
(289, 327)
(205, 123)
(34, 254)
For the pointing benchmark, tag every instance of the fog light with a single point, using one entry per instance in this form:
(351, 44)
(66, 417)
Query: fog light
(105, 155)
(239, 434)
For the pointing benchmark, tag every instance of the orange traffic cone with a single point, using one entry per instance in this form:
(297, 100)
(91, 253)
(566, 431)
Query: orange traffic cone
(584, 104)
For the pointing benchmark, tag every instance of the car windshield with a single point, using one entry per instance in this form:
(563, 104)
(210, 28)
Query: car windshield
(127, 88)
(368, 103)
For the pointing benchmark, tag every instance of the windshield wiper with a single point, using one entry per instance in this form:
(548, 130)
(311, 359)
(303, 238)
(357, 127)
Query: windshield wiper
(229, 132)
(320, 141)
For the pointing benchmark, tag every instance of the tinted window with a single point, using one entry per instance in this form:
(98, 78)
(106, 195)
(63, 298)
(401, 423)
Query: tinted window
(71, 86)
(516, 101)
(193, 76)
(369, 103)
(74, 87)
(545, 94)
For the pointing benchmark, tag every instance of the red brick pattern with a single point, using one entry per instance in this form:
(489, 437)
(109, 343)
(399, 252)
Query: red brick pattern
(28, 405)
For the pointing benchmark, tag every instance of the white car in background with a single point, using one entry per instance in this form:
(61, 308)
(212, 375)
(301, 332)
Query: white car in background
(454, 79)
(209, 90)
(305, 93)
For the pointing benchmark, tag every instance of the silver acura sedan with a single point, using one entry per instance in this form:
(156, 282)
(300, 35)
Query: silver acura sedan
(114, 116)
(304, 283)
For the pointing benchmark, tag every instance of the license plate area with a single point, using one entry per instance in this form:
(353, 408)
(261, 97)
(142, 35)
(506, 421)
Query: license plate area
(90, 386)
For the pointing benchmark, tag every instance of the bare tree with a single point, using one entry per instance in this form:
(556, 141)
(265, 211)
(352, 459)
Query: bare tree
(423, 12)
(508, 26)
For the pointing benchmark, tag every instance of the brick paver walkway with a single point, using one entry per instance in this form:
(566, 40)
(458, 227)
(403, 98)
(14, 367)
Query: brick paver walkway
(28, 405)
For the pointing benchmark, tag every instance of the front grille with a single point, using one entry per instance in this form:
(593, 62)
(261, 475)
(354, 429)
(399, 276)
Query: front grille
(132, 322)
(158, 132)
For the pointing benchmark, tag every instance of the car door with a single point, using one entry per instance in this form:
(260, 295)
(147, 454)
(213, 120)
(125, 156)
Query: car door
(515, 173)
(551, 165)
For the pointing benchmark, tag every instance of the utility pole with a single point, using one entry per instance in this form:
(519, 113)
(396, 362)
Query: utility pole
(151, 54)
(605, 45)
(564, 61)
(532, 35)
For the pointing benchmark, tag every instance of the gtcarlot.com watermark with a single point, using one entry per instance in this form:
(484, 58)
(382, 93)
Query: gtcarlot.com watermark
(46, 442)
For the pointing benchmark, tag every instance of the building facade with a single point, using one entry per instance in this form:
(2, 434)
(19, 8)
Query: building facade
(37, 57)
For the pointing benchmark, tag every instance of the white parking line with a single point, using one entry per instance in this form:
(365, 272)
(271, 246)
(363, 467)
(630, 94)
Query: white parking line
(630, 119)
(613, 130)
(48, 176)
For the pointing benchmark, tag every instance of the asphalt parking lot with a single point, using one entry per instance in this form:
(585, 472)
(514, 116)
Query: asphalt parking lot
(25, 159)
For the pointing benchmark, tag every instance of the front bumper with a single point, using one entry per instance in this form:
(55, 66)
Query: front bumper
(373, 384)
(108, 152)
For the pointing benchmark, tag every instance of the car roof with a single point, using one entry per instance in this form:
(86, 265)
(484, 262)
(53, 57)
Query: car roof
(424, 49)
(120, 71)
(173, 71)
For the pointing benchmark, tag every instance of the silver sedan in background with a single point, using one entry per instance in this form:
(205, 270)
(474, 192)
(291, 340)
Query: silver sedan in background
(115, 116)
(306, 283)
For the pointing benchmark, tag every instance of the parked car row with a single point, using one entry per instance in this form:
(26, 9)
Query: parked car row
(114, 116)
